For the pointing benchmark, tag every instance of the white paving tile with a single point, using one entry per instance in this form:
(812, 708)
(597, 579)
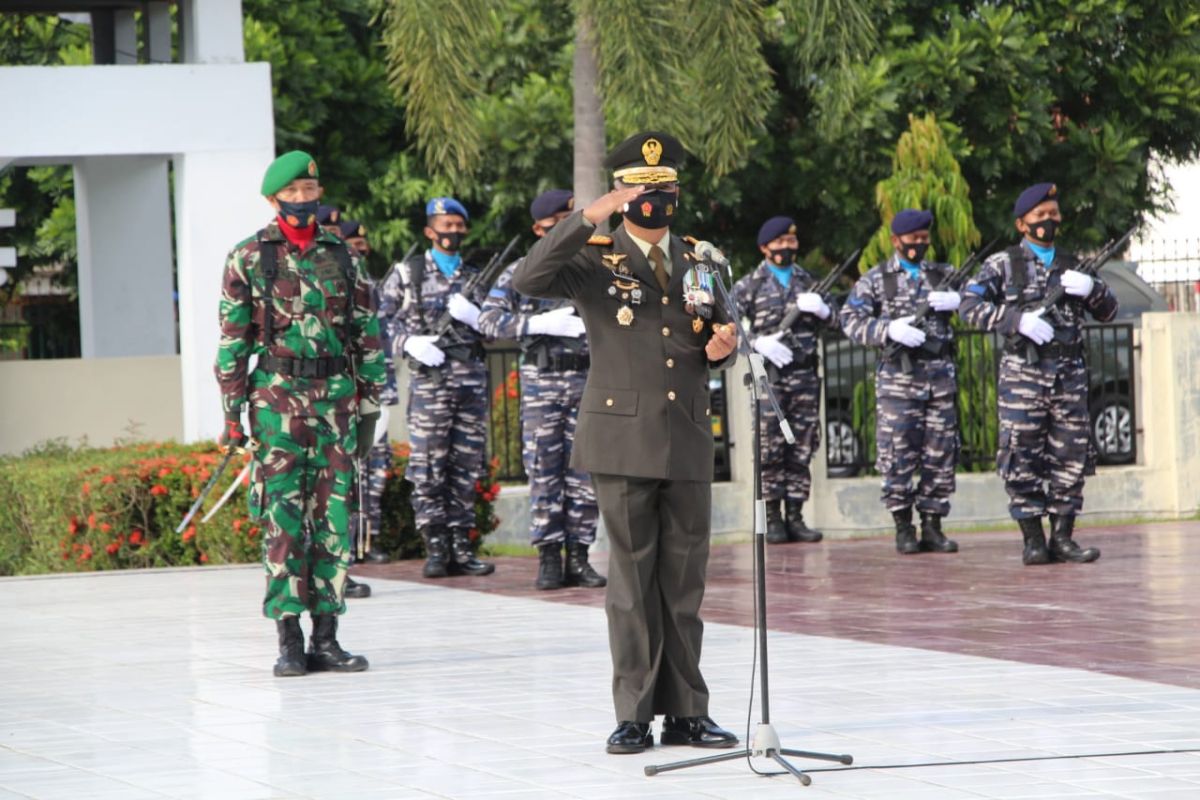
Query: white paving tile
(158, 684)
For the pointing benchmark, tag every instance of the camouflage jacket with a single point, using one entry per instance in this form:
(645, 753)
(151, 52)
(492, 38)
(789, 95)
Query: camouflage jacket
(506, 315)
(411, 312)
(994, 302)
(765, 301)
(309, 302)
(868, 311)
(390, 395)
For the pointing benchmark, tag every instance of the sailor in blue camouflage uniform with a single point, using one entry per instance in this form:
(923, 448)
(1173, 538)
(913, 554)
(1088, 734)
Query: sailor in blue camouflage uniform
(554, 364)
(764, 296)
(916, 422)
(1044, 448)
(447, 401)
(379, 460)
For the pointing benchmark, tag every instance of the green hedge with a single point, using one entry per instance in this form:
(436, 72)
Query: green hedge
(85, 509)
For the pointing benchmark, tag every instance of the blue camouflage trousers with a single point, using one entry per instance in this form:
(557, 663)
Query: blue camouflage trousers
(917, 438)
(447, 424)
(785, 471)
(1043, 452)
(562, 502)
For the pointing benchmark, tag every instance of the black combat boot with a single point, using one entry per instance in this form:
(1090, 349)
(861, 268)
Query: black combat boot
(437, 552)
(906, 534)
(462, 555)
(356, 590)
(776, 532)
(932, 538)
(1063, 547)
(291, 648)
(797, 531)
(1035, 541)
(579, 571)
(550, 566)
(324, 652)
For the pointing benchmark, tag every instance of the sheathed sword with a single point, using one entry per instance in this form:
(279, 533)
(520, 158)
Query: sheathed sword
(233, 487)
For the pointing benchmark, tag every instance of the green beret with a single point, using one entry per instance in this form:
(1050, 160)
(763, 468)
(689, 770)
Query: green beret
(286, 168)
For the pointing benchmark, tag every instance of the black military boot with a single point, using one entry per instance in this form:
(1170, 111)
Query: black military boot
(550, 566)
(797, 531)
(462, 555)
(291, 648)
(579, 571)
(906, 534)
(324, 652)
(437, 553)
(1063, 547)
(932, 538)
(776, 532)
(355, 589)
(1035, 541)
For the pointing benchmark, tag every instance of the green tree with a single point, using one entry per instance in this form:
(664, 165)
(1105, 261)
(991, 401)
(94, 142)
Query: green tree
(925, 175)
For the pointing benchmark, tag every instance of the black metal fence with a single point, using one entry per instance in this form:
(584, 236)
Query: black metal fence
(850, 399)
(504, 425)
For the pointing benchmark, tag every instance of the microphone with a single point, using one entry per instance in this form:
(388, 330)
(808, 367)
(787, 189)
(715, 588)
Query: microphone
(707, 251)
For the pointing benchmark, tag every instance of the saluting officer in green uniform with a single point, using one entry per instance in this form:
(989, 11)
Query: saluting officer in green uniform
(645, 431)
(296, 297)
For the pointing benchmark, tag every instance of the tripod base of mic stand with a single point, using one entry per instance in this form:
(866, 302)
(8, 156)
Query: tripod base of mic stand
(765, 745)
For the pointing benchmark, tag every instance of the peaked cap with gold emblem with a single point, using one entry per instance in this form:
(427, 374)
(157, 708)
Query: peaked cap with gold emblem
(646, 158)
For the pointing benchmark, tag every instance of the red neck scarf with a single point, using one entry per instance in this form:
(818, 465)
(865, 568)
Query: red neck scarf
(301, 237)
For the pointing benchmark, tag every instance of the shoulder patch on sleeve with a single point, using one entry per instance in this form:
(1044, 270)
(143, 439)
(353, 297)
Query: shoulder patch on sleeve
(600, 240)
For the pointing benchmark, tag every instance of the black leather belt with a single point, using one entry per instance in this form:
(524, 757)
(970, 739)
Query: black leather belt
(304, 367)
(809, 363)
(566, 362)
(465, 352)
(1057, 350)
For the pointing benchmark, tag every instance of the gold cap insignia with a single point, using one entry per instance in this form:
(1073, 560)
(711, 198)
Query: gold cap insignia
(439, 207)
(570, 204)
(1052, 191)
(335, 215)
(652, 151)
(362, 230)
(791, 229)
(312, 167)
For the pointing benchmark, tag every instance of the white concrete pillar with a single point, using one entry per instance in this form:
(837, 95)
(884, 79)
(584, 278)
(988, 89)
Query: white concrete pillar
(211, 31)
(158, 33)
(123, 224)
(125, 37)
(217, 204)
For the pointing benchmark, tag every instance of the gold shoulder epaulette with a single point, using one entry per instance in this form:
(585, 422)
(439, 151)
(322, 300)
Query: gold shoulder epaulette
(600, 239)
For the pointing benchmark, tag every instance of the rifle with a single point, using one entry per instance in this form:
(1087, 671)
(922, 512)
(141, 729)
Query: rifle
(483, 279)
(822, 288)
(1050, 301)
(952, 282)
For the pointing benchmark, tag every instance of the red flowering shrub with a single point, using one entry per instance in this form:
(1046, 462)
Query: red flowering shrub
(505, 424)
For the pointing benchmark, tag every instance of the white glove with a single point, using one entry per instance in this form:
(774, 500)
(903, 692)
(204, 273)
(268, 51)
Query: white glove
(559, 322)
(902, 331)
(423, 349)
(1077, 284)
(944, 301)
(774, 350)
(1034, 327)
(811, 303)
(464, 310)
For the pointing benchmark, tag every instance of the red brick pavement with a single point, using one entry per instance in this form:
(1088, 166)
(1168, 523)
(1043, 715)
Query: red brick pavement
(1135, 612)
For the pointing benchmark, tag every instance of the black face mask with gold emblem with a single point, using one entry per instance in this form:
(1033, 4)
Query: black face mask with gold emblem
(654, 209)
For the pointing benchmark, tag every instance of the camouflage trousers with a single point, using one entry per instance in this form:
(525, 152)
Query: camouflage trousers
(447, 425)
(562, 502)
(379, 464)
(1043, 452)
(303, 479)
(917, 438)
(785, 472)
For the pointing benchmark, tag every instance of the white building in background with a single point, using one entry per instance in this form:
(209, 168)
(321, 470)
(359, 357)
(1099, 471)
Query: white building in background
(1167, 249)
(128, 126)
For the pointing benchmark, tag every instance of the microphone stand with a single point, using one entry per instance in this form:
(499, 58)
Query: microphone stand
(766, 741)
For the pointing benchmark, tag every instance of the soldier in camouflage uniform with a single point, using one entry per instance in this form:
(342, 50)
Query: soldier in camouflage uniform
(447, 402)
(765, 296)
(1043, 384)
(297, 298)
(916, 422)
(554, 367)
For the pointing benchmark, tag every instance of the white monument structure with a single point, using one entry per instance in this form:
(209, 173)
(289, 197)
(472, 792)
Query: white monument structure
(121, 124)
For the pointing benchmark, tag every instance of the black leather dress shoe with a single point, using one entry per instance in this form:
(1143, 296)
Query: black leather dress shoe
(630, 737)
(697, 732)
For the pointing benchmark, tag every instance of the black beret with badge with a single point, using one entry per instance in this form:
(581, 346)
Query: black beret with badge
(550, 202)
(909, 220)
(1034, 196)
(775, 227)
